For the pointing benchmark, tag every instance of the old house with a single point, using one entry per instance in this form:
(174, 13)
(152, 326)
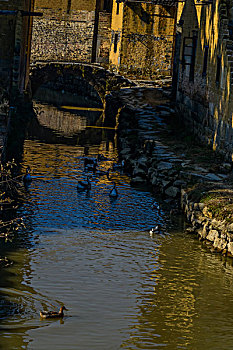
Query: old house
(15, 41)
(72, 31)
(142, 38)
(204, 71)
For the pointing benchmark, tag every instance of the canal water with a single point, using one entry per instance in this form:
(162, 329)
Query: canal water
(123, 288)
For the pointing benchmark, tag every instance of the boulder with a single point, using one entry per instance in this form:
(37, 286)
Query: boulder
(172, 191)
(219, 243)
(230, 248)
(138, 172)
(164, 166)
(212, 235)
(138, 181)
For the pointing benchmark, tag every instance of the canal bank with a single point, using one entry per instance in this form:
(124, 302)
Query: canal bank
(190, 178)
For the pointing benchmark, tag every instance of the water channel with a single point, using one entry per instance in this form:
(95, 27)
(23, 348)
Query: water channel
(123, 288)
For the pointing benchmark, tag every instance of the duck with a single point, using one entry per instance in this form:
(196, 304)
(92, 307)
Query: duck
(27, 179)
(113, 193)
(156, 206)
(53, 314)
(90, 164)
(90, 161)
(155, 230)
(84, 185)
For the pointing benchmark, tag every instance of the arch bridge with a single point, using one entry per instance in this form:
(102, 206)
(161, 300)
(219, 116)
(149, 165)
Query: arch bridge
(102, 80)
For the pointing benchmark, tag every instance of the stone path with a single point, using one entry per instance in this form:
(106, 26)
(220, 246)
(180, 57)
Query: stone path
(188, 176)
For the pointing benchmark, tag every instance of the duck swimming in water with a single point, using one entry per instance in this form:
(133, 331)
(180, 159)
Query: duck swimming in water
(27, 179)
(113, 193)
(53, 314)
(100, 172)
(90, 163)
(155, 230)
(84, 185)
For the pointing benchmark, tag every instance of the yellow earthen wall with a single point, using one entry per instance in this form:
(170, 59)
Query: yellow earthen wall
(146, 40)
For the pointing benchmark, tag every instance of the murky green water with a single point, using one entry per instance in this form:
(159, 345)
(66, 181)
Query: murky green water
(123, 288)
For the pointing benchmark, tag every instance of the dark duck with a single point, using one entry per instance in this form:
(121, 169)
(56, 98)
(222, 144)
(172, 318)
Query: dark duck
(84, 185)
(27, 179)
(53, 314)
(113, 193)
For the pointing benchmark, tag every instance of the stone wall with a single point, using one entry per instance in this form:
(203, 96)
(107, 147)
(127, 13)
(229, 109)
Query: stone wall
(219, 233)
(155, 155)
(68, 38)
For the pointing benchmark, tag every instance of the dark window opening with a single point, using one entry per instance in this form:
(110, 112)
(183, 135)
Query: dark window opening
(193, 58)
(107, 6)
(204, 71)
(115, 42)
(118, 8)
(218, 72)
(68, 6)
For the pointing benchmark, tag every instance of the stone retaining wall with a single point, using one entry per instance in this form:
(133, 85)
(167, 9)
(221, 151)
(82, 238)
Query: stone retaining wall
(219, 233)
(170, 174)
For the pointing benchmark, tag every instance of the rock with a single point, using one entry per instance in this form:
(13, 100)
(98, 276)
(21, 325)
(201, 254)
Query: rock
(230, 248)
(201, 206)
(152, 171)
(227, 166)
(212, 235)
(138, 181)
(205, 230)
(220, 243)
(139, 172)
(125, 151)
(142, 162)
(165, 183)
(212, 177)
(172, 191)
(164, 166)
(180, 183)
(207, 213)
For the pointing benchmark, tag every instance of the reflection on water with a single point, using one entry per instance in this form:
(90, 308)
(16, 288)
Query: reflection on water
(123, 288)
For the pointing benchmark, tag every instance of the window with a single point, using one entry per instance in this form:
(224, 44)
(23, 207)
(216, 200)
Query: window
(115, 42)
(204, 71)
(218, 71)
(193, 58)
(118, 8)
(189, 56)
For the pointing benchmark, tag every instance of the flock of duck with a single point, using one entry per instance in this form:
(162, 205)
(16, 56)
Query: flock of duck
(90, 164)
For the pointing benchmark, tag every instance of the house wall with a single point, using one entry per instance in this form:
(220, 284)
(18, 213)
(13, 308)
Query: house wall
(65, 32)
(205, 102)
(14, 47)
(145, 40)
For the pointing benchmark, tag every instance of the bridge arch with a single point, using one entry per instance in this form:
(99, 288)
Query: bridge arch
(102, 80)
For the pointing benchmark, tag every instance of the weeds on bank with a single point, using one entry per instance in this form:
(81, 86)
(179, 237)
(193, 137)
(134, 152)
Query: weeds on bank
(10, 197)
(219, 201)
